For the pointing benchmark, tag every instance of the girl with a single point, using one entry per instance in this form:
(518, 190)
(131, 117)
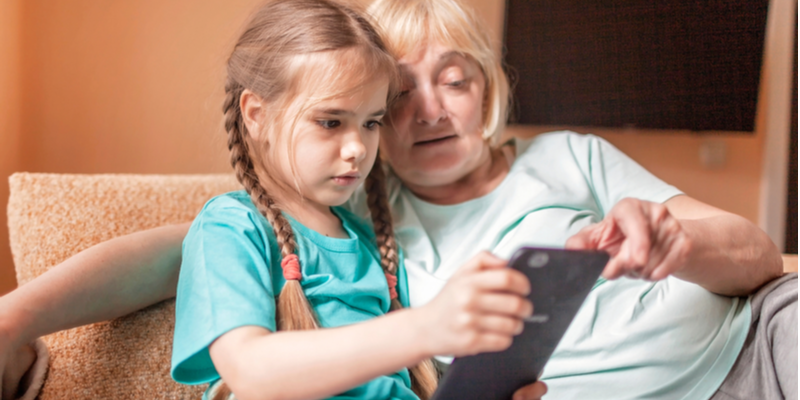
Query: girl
(308, 83)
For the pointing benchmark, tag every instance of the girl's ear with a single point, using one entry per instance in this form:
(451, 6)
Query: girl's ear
(253, 113)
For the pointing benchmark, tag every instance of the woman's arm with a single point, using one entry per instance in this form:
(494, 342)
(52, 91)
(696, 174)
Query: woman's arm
(106, 281)
(691, 240)
(480, 309)
(728, 254)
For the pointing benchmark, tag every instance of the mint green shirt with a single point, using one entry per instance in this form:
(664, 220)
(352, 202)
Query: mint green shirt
(632, 339)
(231, 274)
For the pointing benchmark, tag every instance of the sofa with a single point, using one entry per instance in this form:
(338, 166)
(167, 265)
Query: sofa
(53, 216)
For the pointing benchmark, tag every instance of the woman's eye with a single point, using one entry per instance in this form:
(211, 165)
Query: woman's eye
(456, 84)
(373, 125)
(403, 93)
(329, 123)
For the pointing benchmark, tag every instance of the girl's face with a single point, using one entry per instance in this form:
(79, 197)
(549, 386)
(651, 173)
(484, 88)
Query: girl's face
(437, 124)
(334, 145)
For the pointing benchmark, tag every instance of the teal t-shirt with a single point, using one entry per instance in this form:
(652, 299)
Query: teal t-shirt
(231, 273)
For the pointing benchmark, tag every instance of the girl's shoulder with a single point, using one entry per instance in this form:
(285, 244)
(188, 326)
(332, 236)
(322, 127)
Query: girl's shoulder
(235, 203)
(232, 211)
(235, 199)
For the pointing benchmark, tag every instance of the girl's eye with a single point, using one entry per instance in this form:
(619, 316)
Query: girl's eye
(329, 123)
(373, 125)
(456, 84)
(403, 93)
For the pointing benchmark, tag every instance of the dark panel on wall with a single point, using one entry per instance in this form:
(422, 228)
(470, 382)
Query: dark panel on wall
(650, 64)
(791, 203)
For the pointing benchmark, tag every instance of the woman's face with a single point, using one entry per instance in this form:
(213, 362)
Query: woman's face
(437, 123)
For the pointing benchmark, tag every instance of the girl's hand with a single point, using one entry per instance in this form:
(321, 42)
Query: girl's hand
(480, 309)
(643, 238)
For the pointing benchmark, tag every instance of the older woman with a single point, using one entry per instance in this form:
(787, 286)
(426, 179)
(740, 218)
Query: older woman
(664, 322)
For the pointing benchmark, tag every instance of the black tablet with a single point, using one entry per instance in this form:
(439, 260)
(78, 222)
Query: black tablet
(560, 281)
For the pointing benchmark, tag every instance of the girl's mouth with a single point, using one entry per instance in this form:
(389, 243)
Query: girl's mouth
(346, 179)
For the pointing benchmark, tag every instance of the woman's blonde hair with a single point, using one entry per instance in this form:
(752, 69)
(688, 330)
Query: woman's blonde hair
(276, 48)
(409, 24)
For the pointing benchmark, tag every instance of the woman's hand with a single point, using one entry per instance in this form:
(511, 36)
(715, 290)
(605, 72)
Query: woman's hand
(643, 238)
(480, 309)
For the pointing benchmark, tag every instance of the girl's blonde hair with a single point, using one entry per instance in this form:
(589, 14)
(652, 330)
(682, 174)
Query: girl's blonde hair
(410, 24)
(269, 59)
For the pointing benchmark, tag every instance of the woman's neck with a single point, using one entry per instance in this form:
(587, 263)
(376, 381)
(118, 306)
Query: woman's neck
(477, 183)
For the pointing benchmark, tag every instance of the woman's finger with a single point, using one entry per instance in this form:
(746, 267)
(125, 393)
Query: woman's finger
(632, 220)
(614, 269)
(668, 245)
(583, 239)
(677, 254)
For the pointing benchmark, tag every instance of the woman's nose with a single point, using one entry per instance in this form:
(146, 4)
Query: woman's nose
(430, 109)
(353, 149)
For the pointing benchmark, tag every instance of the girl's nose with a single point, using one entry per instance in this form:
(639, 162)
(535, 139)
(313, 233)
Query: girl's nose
(429, 110)
(353, 149)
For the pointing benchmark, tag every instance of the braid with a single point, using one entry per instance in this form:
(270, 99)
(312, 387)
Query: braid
(375, 186)
(245, 173)
(294, 312)
(423, 375)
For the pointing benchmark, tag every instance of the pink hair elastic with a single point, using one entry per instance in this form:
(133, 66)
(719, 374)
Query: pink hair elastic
(391, 279)
(291, 268)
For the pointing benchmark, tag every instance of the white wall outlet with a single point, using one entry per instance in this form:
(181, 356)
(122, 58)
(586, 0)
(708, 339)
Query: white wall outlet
(713, 153)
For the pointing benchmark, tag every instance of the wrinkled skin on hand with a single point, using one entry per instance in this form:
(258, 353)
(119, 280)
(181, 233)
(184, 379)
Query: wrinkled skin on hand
(644, 240)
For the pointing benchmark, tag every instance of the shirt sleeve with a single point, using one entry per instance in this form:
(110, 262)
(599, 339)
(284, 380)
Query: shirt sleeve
(615, 176)
(225, 283)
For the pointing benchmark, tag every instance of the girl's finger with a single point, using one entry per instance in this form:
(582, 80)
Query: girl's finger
(490, 341)
(502, 280)
(499, 325)
(482, 261)
(504, 304)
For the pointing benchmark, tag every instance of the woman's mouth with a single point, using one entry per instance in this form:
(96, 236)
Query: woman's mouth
(434, 142)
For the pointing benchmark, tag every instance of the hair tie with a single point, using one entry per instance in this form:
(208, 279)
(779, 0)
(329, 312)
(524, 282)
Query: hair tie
(391, 279)
(291, 268)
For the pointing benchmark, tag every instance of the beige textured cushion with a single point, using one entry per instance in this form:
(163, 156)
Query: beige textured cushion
(53, 216)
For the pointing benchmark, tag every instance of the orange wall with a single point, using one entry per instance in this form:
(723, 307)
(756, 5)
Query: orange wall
(10, 122)
(126, 86)
(91, 86)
